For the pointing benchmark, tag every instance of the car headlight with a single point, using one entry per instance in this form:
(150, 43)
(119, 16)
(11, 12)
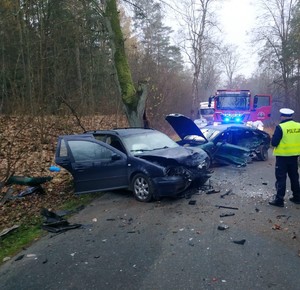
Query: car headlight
(203, 164)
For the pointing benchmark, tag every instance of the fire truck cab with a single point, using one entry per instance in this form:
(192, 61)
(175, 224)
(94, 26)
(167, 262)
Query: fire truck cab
(238, 106)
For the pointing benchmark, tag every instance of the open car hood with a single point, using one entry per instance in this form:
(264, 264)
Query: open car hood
(222, 152)
(184, 126)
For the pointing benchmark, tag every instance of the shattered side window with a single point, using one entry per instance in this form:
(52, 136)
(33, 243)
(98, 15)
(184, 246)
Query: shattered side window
(63, 152)
(89, 151)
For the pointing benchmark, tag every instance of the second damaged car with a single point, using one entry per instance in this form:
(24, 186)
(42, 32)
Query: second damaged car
(225, 143)
(145, 161)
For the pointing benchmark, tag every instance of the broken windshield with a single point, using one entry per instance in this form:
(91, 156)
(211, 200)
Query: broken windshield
(148, 142)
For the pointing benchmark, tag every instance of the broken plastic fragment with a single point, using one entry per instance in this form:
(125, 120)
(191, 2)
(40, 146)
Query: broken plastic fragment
(226, 193)
(54, 223)
(19, 258)
(210, 191)
(222, 227)
(54, 168)
(31, 190)
(227, 214)
(6, 231)
(240, 242)
(33, 256)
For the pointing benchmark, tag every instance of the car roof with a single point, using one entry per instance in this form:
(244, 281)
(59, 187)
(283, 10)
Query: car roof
(222, 127)
(122, 131)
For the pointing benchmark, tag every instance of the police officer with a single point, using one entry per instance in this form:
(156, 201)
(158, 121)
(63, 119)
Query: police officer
(286, 143)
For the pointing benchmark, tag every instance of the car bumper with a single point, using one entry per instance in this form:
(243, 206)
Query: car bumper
(169, 185)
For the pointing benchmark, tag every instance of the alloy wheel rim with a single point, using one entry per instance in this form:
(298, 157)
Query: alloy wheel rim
(141, 188)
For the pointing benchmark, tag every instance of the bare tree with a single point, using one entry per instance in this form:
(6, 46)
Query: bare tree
(230, 63)
(198, 26)
(274, 32)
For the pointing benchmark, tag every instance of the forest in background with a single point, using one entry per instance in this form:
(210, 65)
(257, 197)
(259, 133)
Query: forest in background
(56, 56)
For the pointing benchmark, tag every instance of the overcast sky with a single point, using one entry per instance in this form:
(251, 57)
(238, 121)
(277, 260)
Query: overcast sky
(237, 18)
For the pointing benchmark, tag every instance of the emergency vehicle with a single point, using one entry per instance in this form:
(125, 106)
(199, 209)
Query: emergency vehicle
(239, 106)
(206, 112)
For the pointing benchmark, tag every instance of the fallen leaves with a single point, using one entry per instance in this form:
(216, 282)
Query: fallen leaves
(27, 148)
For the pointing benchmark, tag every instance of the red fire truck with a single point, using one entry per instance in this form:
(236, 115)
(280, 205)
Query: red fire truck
(238, 106)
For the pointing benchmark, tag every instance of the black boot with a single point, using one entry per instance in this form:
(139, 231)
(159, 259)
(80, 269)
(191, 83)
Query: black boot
(295, 200)
(277, 202)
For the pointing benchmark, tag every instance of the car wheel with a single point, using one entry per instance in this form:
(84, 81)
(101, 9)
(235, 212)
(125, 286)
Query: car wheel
(263, 153)
(142, 188)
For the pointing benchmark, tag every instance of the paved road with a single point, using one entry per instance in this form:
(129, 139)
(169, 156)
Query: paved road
(172, 244)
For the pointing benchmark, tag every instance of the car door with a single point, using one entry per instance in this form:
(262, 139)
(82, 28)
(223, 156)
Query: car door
(227, 151)
(262, 106)
(94, 165)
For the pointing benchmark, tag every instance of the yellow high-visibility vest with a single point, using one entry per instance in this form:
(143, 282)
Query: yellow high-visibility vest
(290, 143)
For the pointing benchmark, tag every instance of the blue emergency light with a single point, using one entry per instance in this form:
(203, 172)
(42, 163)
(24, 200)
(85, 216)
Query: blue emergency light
(232, 118)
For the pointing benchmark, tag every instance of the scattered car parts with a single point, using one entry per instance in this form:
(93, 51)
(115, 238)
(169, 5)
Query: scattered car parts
(54, 223)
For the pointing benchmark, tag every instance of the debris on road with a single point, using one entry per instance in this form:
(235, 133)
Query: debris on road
(228, 207)
(239, 242)
(276, 227)
(226, 193)
(19, 258)
(211, 191)
(227, 214)
(222, 227)
(56, 224)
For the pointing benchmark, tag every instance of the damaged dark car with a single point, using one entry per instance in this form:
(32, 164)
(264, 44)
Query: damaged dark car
(226, 143)
(145, 161)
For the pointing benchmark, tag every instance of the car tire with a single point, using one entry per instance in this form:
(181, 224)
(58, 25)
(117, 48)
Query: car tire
(142, 187)
(263, 153)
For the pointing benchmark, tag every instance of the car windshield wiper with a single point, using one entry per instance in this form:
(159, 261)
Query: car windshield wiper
(165, 147)
(140, 150)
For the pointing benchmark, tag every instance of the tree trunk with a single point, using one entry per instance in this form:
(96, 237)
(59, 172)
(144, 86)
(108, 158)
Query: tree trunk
(133, 100)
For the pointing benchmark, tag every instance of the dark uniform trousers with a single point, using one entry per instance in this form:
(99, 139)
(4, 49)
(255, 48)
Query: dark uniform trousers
(287, 165)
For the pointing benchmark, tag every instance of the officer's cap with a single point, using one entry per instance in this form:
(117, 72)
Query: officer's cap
(285, 112)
